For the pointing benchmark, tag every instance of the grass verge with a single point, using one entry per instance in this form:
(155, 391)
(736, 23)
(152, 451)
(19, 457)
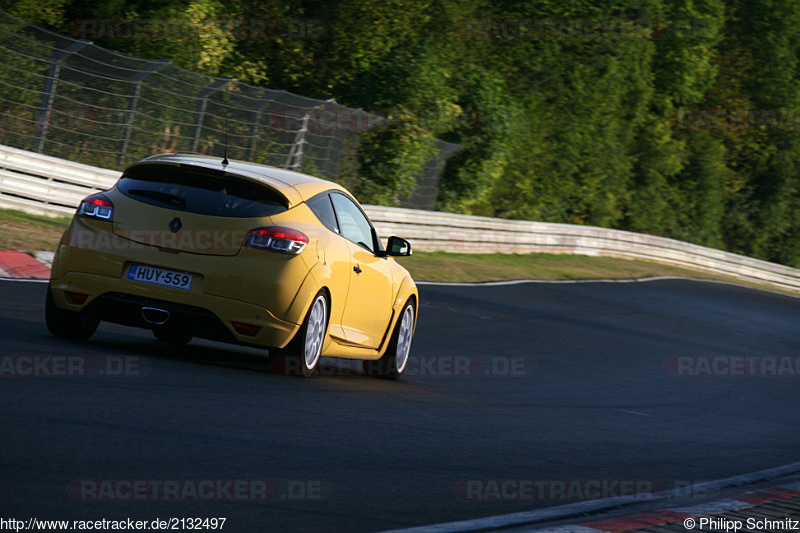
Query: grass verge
(441, 266)
(26, 232)
(466, 268)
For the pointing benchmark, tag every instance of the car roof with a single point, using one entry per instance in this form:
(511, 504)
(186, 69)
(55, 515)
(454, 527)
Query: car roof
(295, 186)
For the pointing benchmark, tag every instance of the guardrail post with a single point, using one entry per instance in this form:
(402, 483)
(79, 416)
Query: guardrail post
(136, 80)
(50, 92)
(201, 108)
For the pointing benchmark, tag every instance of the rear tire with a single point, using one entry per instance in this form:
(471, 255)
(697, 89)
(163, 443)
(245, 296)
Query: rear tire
(67, 324)
(392, 364)
(301, 355)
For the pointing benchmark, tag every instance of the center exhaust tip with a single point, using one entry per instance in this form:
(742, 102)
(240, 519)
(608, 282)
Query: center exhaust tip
(155, 316)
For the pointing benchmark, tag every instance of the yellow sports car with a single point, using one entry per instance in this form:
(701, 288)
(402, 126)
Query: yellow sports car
(191, 246)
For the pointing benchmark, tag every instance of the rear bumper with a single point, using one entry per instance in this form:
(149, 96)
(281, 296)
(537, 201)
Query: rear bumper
(205, 316)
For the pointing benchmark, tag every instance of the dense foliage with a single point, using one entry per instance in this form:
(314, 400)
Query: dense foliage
(672, 117)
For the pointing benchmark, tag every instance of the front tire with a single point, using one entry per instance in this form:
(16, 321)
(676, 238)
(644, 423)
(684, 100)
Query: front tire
(301, 355)
(392, 364)
(67, 324)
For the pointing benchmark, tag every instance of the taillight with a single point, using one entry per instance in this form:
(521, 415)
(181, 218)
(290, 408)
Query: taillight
(77, 298)
(96, 206)
(284, 240)
(245, 329)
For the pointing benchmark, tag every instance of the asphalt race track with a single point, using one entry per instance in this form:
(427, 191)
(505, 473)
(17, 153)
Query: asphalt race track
(566, 384)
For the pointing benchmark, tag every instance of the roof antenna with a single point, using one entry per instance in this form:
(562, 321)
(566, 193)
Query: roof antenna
(225, 157)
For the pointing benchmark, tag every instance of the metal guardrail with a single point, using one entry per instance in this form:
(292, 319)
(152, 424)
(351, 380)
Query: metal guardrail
(47, 185)
(51, 186)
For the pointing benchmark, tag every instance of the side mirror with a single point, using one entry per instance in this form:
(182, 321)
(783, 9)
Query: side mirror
(398, 247)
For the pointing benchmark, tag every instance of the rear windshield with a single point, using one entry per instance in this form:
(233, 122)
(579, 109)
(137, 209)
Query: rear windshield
(199, 191)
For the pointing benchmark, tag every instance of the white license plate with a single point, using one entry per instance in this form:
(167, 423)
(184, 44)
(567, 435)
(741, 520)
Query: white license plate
(160, 276)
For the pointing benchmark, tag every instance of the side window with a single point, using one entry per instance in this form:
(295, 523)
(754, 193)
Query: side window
(321, 206)
(353, 223)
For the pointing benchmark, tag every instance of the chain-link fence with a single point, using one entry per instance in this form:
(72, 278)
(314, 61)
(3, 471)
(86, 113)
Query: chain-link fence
(74, 100)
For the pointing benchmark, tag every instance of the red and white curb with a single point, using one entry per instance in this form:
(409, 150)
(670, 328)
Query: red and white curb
(535, 520)
(23, 265)
(677, 514)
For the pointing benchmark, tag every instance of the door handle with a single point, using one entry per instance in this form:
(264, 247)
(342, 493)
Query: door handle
(357, 269)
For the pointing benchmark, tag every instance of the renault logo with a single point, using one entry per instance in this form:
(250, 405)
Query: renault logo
(175, 225)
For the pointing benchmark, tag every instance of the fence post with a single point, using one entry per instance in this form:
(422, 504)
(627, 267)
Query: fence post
(201, 108)
(251, 149)
(334, 130)
(136, 80)
(50, 92)
(294, 160)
